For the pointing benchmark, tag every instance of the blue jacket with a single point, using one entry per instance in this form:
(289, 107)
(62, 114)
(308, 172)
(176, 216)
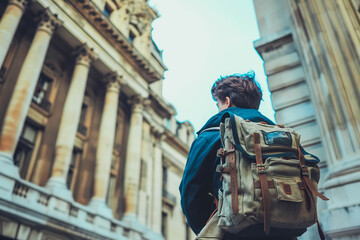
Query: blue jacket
(200, 177)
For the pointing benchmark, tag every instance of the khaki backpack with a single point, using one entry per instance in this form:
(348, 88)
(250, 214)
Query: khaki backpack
(266, 179)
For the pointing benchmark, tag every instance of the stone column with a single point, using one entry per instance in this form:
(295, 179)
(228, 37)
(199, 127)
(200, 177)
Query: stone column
(8, 25)
(105, 145)
(327, 37)
(69, 123)
(133, 159)
(157, 182)
(25, 87)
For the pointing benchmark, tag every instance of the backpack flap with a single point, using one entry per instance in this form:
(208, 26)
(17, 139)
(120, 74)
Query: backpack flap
(275, 141)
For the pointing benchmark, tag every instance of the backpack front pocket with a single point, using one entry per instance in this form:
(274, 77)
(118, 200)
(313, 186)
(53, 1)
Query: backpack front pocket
(287, 190)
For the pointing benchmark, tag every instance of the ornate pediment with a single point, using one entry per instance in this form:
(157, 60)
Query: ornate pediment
(141, 14)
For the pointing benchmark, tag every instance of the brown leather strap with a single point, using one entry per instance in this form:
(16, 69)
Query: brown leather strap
(312, 189)
(221, 169)
(305, 176)
(263, 183)
(233, 177)
(257, 184)
(271, 184)
(216, 202)
(223, 153)
(309, 187)
(321, 233)
(220, 152)
(212, 214)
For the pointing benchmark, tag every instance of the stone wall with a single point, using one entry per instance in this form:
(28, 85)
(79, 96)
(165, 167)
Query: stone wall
(84, 139)
(311, 57)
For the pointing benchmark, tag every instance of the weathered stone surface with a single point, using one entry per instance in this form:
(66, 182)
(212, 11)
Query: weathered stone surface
(318, 79)
(87, 148)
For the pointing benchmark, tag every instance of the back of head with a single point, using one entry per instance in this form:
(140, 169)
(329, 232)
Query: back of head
(242, 89)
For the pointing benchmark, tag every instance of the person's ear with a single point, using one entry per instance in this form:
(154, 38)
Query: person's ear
(227, 102)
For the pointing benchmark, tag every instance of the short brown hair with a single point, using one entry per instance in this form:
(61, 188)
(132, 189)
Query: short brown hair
(242, 89)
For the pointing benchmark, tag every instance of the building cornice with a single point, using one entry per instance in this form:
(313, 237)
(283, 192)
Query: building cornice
(265, 44)
(92, 14)
(176, 143)
(162, 108)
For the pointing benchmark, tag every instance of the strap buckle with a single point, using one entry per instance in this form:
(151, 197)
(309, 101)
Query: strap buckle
(304, 170)
(221, 152)
(261, 168)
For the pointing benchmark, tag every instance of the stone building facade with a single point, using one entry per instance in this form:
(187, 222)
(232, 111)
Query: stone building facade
(311, 53)
(89, 148)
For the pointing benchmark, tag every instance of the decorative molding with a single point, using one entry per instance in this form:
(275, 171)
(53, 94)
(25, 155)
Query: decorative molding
(114, 81)
(158, 133)
(119, 41)
(273, 41)
(162, 108)
(50, 213)
(138, 103)
(85, 55)
(22, 4)
(176, 143)
(48, 22)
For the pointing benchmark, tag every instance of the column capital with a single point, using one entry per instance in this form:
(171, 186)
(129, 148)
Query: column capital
(158, 134)
(138, 103)
(114, 81)
(22, 4)
(84, 55)
(48, 22)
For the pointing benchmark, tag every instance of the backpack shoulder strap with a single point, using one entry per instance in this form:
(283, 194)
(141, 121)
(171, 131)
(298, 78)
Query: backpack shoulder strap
(210, 129)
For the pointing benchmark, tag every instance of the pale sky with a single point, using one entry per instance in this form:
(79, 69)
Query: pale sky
(201, 41)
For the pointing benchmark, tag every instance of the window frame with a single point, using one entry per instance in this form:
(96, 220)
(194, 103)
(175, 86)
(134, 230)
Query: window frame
(87, 119)
(26, 173)
(74, 167)
(52, 71)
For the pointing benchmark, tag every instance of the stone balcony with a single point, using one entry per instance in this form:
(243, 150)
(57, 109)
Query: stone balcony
(28, 211)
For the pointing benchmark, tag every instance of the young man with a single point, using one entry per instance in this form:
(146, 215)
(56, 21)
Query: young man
(237, 94)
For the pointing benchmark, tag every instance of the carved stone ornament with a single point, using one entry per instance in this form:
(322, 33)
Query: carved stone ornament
(114, 81)
(48, 22)
(85, 55)
(138, 103)
(158, 133)
(22, 4)
(138, 14)
(142, 23)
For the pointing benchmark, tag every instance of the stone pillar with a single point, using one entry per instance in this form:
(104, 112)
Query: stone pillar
(133, 159)
(327, 34)
(105, 146)
(157, 182)
(8, 25)
(182, 133)
(69, 123)
(21, 99)
(318, 41)
(173, 125)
